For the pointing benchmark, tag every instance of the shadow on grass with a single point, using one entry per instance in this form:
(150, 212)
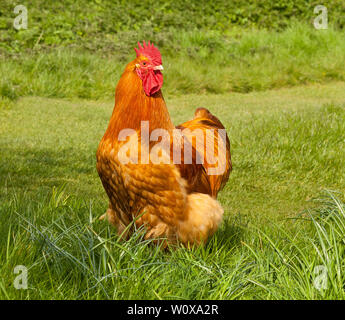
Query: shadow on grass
(24, 168)
(230, 233)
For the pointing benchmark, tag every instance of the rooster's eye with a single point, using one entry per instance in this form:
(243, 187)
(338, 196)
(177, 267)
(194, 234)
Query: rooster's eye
(144, 63)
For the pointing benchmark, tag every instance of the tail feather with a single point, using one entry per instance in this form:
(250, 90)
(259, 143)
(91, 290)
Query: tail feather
(204, 214)
(204, 121)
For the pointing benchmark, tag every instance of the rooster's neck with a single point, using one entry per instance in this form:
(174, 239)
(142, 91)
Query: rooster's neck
(132, 106)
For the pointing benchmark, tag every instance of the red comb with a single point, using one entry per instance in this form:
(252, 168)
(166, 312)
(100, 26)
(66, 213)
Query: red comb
(149, 51)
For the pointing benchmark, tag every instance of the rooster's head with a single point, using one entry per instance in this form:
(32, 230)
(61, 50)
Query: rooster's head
(148, 66)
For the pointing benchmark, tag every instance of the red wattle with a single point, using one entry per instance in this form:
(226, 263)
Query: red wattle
(152, 81)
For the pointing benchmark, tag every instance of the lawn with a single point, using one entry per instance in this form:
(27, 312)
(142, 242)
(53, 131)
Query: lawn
(288, 149)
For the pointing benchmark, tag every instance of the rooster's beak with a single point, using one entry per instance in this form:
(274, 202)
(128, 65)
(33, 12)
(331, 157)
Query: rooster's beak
(160, 67)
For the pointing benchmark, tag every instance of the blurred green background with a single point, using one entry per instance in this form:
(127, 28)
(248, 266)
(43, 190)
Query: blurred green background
(113, 26)
(79, 48)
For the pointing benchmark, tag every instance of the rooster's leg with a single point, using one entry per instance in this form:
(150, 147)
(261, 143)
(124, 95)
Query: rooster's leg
(112, 217)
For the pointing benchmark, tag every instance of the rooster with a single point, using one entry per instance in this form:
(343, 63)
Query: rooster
(172, 198)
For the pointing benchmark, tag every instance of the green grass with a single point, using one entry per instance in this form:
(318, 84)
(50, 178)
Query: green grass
(110, 24)
(237, 60)
(288, 146)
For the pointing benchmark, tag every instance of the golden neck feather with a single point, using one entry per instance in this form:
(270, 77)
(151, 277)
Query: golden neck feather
(132, 106)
